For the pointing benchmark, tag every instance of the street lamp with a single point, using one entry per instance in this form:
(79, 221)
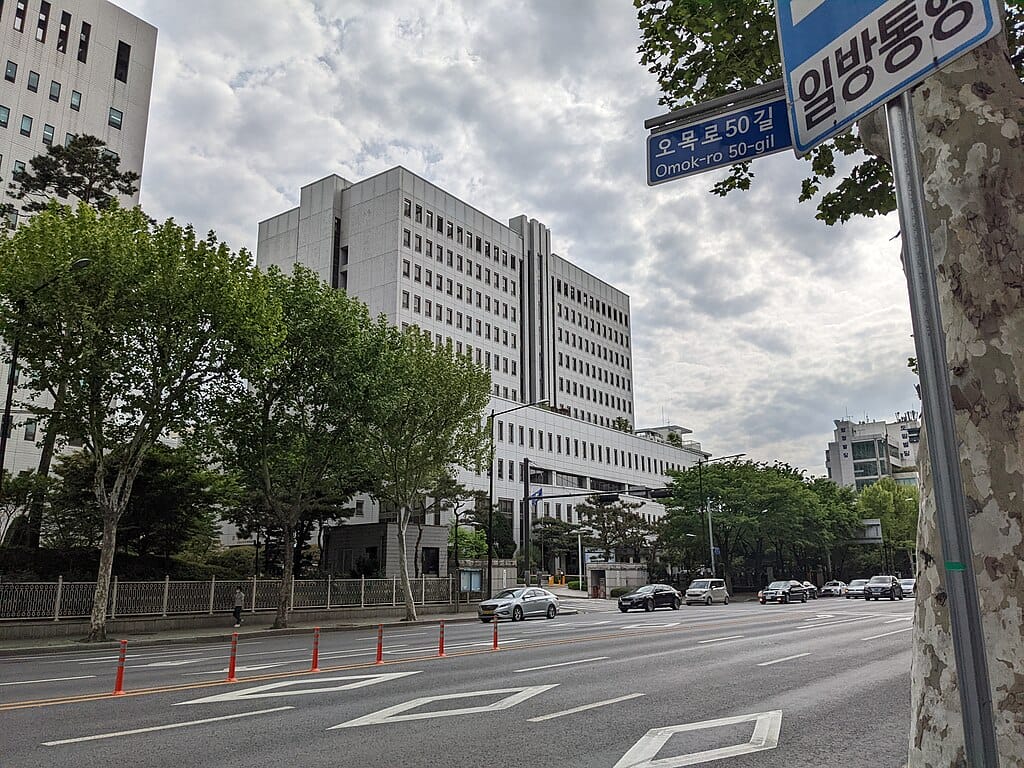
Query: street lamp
(490, 494)
(5, 424)
(703, 506)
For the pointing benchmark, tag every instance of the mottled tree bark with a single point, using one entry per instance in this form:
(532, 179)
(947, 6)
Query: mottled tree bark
(403, 565)
(970, 119)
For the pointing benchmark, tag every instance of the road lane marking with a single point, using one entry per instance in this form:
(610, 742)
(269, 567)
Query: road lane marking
(285, 688)
(585, 707)
(901, 618)
(651, 626)
(838, 623)
(50, 680)
(784, 658)
(169, 726)
(563, 664)
(719, 639)
(886, 634)
(393, 714)
(767, 726)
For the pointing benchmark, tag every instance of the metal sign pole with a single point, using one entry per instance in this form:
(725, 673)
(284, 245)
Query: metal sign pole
(950, 509)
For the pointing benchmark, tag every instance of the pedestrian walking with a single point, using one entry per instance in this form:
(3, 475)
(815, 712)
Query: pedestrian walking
(239, 605)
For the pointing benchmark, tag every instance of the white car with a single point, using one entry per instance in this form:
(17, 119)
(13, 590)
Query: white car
(856, 588)
(834, 589)
(909, 587)
(706, 592)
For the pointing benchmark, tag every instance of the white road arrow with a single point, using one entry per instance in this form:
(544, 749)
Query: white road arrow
(287, 687)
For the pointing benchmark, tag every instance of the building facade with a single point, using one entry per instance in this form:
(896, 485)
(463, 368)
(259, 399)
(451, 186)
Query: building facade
(546, 330)
(71, 67)
(861, 453)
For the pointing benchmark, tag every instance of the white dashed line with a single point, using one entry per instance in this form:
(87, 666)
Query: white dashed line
(585, 707)
(886, 634)
(168, 727)
(563, 664)
(785, 658)
(719, 639)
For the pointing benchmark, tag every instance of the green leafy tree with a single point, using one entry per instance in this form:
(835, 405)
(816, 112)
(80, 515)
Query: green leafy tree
(552, 537)
(839, 522)
(82, 170)
(293, 428)
(425, 420)
(614, 525)
(622, 424)
(969, 122)
(896, 506)
(139, 340)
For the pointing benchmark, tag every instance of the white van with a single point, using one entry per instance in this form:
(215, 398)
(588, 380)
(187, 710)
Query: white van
(707, 591)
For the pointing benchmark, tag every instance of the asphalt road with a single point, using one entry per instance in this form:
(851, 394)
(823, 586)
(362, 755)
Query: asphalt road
(819, 684)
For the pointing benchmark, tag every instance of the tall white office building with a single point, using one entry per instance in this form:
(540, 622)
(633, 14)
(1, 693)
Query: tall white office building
(73, 67)
(863, 452)
(546, 329)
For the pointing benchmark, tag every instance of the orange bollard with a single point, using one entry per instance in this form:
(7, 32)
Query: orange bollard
(494, 646)
(231, 663)
(440, 640)
(380, 644)
(119, 680)
(316, 650)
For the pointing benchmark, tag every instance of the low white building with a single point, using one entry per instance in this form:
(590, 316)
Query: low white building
(861, 453)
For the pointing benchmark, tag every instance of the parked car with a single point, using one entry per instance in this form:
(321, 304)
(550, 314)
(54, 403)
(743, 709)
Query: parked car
(883, 586)
(856, 588)
(707, 591)
(651, 596)
(834, 589)
(812, 591)
(909, 587)
(518, 604)
(791, 591)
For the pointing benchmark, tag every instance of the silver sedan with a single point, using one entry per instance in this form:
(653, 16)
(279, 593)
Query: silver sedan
(518, 604)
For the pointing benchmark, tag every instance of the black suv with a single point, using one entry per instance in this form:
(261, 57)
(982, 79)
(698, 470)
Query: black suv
(883, 586)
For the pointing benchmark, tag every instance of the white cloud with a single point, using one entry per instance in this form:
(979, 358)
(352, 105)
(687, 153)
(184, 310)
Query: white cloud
(753, 324)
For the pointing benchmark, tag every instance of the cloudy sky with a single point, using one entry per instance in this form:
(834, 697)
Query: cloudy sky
(754, 325)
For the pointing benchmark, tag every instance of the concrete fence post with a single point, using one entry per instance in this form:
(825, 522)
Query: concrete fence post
(56, 600)
(213, 585)
(113, 600)
(328, 591)
(252, 608)
(362, 591)
(394, 590)
(167, 592)
(291, 597)
(423, 590)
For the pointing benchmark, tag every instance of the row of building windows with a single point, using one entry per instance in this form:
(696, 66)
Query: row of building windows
(597, 305)
(439, 312)
(124, 50)
(456, 233)
(594, 371)
(455, 260)
(576, 448)
(457, 290)
(589, 323)
(594, 395)
(599, 350)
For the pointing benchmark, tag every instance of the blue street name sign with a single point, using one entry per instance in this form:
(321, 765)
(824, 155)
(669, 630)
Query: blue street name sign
(843, 58)
(724, 139)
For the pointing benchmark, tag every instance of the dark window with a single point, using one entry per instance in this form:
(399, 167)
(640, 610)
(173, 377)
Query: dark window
(68, 138)
(83, 42)
(54, 90)
(11, 73)
(44, 20)
(26, 125)
(33, 81)
(30, 430)
(47, 134)
(19, 15)
(431, 561)
(121, 64)
(76, 100)
(19, 166)
(115, 118)
(5, 116)
(62, 32)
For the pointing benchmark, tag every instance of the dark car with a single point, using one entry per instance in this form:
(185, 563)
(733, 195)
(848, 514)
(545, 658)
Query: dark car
(812, 590)
(883, 586)
(791, 591)
(651, 596)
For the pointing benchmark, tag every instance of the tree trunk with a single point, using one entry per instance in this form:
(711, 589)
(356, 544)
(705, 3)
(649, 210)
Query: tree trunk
(970, 119)
(35, 514)
(285, 593)
(416, 548)
(98, 620)
(403, 568)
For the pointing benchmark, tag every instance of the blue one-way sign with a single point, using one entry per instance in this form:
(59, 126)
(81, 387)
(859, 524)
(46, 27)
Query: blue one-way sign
(843, 58)
(732, 137)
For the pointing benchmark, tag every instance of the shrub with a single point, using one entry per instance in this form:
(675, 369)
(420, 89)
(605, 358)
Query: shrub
(577, 585)
(620, 591)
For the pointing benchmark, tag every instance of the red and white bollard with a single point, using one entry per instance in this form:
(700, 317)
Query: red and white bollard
(231, 662)
(494, 645)
(380, 644)
(119, 680)
(316, 650)
(440, 640)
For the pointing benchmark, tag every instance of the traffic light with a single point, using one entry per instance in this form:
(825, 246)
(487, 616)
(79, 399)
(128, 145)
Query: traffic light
(607, 498)
(660, 493)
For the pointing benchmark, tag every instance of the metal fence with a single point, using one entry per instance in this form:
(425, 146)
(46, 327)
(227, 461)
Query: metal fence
(73, 599)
